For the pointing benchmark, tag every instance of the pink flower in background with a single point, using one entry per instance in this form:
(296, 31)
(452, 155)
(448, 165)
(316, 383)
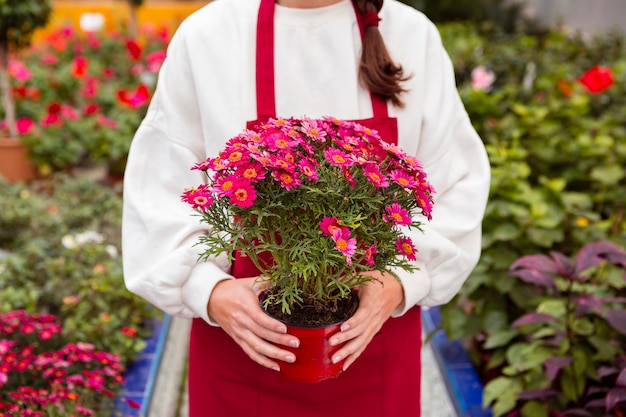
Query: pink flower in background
(597, 79)
(482, 78)
(49, 59)
(90, 87)
(155, 60)
(19, 71)
(24, 125)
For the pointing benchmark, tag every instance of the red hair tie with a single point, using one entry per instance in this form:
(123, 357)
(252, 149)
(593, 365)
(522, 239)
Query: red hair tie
(370, 19)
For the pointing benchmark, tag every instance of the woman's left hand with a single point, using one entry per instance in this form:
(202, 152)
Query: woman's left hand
(377, 301)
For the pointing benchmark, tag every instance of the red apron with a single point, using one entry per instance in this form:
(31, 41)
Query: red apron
(383, 382)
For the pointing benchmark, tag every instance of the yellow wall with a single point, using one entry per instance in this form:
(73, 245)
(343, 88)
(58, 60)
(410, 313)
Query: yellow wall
(116, 12)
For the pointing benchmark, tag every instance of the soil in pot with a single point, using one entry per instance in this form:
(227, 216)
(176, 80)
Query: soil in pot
(313, 313)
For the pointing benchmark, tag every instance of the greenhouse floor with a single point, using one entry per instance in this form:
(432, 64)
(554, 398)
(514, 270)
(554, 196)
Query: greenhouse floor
(169, 394)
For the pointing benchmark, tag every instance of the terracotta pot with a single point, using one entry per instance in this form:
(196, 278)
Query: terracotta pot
(15, 162)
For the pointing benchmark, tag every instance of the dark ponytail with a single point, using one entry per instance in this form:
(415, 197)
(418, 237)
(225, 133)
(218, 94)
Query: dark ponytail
(377, 71)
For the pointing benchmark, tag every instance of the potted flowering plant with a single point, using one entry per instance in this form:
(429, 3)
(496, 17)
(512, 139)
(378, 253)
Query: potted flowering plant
(313, 204)
(18, 21)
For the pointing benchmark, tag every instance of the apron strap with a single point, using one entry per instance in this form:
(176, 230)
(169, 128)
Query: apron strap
(265, 88)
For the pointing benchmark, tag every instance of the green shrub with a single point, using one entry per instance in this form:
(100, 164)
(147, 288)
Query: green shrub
(557, 149)
(62, 257)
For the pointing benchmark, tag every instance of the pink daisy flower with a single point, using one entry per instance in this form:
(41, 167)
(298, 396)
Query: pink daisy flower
(405, 246)
(374, 175)
(329, 225)
(337, 158)
(288, 180)
(370, 253)
(198, 198)
(344, 244)
(308, 169)
(311, 128)
(402, 178)
(253, 173)
(243, 194)
(398, 214)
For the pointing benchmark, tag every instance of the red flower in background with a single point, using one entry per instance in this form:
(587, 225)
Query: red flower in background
(597, 79)
(135, 99)
(133, 49)
(79, 67)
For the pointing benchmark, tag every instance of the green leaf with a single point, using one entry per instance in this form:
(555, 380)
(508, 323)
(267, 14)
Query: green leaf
(608, 175)
(505, 403)
(500, 338)
(496, 388)
(506, 232)
(534, 409)
(583, 326)
(556, 308)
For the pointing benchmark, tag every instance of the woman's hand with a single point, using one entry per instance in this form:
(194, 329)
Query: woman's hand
(234, 305)
(377, 301)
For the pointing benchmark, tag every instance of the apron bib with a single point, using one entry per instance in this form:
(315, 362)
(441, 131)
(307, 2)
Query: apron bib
(383, 382)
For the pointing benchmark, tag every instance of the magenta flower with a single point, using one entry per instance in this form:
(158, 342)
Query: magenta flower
(19, 71)
(24, 125)
(243, 194)
(370, 253)
(308, 169)
(403, 178)
(344, 244)
(398, 214)
(406, 248)
(337, 158)
(329, 225)
(374, 175)
(199, 198)
(155, 60)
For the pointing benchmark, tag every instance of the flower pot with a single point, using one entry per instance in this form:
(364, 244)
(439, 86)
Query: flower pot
(313, 357)
(313, 363)
(15, 162)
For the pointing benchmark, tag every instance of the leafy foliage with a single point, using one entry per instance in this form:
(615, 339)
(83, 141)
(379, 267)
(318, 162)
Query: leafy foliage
(567, 351)
(557, 147)
(61, 241)
(20, 18)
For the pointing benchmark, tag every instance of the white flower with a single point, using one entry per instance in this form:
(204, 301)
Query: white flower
(69, 242)
(73, 241)
(112, 251)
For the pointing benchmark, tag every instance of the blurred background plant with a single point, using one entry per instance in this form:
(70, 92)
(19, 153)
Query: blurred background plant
(81, 95)
(60, 255)
(550, 108)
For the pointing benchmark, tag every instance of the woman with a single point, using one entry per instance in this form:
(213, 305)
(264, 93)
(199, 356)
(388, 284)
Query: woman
(236, 61)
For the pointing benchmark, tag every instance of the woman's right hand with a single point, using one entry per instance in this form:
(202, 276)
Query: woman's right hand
(234, 305)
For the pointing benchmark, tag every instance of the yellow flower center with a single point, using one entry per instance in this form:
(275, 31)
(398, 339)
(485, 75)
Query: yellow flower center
(407, 248)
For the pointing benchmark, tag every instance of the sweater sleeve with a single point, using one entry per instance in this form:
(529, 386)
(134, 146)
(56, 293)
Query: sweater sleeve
(456, 163)
(159, 231)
